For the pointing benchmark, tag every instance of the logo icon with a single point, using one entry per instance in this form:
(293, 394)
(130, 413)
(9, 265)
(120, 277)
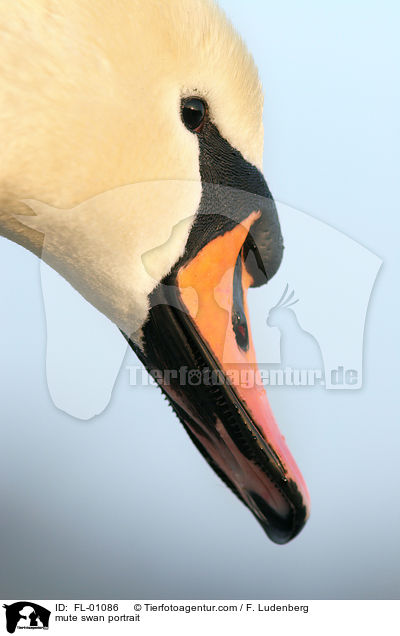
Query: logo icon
(26, 615)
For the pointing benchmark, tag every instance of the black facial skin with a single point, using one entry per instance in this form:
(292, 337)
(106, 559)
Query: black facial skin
(232, 189)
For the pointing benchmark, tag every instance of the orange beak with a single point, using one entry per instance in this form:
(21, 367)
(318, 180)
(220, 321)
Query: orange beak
(213, 288)
(198, 331)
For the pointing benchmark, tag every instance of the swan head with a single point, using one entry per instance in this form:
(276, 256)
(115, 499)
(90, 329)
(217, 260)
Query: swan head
(137, 174)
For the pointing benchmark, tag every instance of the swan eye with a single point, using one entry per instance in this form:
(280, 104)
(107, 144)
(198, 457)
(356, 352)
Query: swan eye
(193, 113)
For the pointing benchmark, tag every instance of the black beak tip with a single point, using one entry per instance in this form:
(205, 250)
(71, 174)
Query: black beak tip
(279, 529)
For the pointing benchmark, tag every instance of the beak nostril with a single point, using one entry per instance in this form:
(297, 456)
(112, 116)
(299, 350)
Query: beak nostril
(239, 322)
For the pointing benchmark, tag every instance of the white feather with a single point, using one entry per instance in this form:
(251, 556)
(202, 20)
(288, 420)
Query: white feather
(89, 104)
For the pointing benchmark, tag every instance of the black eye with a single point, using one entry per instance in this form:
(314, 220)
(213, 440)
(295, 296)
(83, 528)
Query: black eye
(193, 113)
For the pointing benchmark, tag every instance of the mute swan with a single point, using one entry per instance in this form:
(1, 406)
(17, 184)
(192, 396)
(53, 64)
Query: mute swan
(131, 162)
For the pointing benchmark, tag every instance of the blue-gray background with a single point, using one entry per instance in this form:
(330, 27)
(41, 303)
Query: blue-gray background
(124, 506)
